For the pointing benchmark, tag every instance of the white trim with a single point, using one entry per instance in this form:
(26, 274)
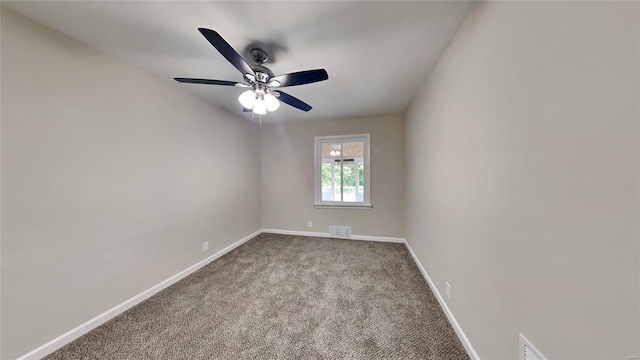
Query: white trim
(317, 156)
(346, 207)
(378, 238)
(326, 235)
(454, 323)
(80, 330)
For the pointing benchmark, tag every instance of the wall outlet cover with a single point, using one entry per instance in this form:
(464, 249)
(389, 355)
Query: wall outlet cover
(205, 246)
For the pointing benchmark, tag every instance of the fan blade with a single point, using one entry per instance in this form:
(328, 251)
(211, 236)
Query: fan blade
(209, 82)
(293, 101)
(246, 110)
(227, 51)
(301, 77)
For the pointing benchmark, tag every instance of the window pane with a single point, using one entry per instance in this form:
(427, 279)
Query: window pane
(327, 189)
(330, 171)
(331, 150)
(337, 177)
(348, 180)
(353, 155)
(353, 149)
(360, 189)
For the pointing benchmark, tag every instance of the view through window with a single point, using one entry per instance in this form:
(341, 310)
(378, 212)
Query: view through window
(342, 170)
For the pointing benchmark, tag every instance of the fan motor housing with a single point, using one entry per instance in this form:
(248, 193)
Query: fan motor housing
(259, 55)
(262, 73)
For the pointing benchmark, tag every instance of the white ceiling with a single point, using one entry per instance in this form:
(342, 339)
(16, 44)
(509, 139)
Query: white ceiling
(377, 54)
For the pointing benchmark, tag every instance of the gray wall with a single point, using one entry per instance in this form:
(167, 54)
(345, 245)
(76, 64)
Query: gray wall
(287, 176)
(522, 178)
(111, 181)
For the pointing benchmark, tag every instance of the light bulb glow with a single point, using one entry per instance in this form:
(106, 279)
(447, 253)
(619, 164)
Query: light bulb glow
(260, 107)
(248, 99)
(272, 103)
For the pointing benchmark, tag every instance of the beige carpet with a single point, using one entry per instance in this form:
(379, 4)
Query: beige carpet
(285, 297)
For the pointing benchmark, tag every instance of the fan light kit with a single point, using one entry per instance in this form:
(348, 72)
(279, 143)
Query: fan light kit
(263, 95)
(259, 101)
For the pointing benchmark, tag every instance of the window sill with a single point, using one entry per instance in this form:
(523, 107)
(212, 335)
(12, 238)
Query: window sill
(341, 206)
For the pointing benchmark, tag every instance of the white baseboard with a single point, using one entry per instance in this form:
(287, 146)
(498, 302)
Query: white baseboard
(454, 323)
(326, 235)
(80, 330)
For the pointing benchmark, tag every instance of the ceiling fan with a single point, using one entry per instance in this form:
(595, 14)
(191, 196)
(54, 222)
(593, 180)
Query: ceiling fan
(264, 94)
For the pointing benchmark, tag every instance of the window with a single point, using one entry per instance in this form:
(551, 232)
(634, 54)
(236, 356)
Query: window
(342, 176)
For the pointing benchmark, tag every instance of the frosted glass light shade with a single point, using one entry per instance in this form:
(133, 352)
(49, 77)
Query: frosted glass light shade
(260, 107)
(272, 103)
(248, 99)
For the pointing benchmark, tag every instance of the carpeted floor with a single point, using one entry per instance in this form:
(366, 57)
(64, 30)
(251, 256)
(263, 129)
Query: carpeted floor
(285, 297)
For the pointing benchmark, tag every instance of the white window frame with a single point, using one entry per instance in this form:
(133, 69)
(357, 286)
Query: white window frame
(319, 140)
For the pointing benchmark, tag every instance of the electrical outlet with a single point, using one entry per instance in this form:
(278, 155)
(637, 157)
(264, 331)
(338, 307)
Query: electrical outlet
(448, 290)
(309, 223)
(205, 246)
